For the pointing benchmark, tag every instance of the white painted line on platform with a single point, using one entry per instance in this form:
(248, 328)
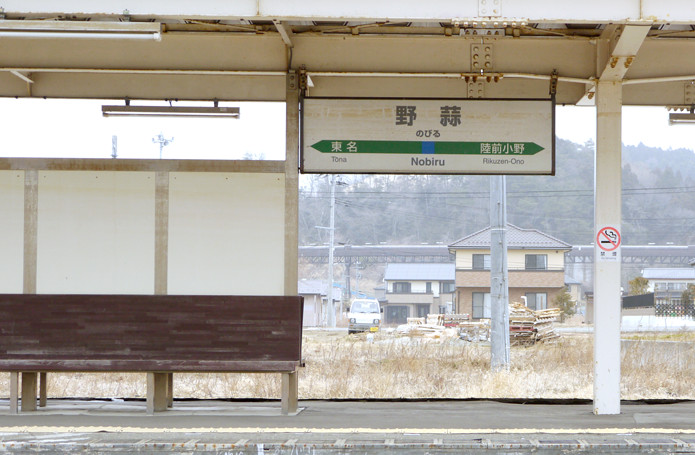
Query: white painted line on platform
(454, 431)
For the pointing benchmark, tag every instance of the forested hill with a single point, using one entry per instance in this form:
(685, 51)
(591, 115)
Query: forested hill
(658, 202)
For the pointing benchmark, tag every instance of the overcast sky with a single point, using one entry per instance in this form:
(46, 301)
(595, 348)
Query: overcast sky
(76, 128)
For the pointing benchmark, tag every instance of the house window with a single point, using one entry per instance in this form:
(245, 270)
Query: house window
(536, 262)
(428, 287)
(397, 314)
(537, 300)
(481, 262)
(481, 305)
(401, 287)
(447, 287)
(423, 311)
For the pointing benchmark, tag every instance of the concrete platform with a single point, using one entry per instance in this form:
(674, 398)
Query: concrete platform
(77, 426)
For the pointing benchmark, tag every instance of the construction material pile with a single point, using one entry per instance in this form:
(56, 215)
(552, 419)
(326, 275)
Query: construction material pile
(527, 326)
(433, 326)
(475, 330)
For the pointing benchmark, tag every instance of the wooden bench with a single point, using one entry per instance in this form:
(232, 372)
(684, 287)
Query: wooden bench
(155, 334)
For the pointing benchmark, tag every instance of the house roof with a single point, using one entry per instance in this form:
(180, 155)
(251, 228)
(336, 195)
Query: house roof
(669, 273)
(517, 239)
(317, 287)
(420, 272)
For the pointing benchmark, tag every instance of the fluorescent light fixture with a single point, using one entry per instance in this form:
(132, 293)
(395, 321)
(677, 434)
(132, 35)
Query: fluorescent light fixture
(170, 111)
(676, 118)
(80, 29)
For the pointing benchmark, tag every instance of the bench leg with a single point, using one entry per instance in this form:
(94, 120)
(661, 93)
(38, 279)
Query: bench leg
(14, 392)
(290, 393)
(170, 390)
(29, 381)
(156, 392)
(43, 387)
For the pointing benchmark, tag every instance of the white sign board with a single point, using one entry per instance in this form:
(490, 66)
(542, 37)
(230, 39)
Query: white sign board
(416, 136)
(608, 241)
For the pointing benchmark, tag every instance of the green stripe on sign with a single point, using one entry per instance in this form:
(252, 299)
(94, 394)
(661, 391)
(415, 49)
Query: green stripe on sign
(418, 147)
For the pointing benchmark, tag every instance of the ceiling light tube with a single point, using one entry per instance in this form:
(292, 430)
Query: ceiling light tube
(680, 119)
(81, 35)
(80, 29)
(170, 111)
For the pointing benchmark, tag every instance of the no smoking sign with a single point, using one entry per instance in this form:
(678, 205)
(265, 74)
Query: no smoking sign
(608, 241)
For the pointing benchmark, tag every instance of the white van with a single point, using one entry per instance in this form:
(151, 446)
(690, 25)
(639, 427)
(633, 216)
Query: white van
(364, 316)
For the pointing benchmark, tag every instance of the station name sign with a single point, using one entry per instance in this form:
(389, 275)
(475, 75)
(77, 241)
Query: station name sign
(432, 136)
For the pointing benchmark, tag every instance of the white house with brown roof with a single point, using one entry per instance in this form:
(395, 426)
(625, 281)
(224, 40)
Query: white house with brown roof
(536, 264)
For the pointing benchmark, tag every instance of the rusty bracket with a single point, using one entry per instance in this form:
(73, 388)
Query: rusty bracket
(553, 83)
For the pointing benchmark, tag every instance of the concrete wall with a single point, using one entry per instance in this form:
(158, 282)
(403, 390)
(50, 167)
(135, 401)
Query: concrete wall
(96, 231)
(11, 230)
(638, 311)
(226, 233)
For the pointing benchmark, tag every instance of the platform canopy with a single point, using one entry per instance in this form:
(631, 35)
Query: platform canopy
(241, 50)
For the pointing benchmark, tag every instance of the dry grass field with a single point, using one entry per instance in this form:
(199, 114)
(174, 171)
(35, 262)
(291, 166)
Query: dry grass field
(392, 366)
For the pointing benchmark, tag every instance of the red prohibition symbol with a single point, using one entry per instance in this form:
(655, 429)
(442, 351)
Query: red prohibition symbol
(608, 239)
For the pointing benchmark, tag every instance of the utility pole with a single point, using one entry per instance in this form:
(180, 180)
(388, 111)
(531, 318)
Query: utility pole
(162, 141)
(329, 293)
(114, 146)
(358, 275)
(499, 288)
(348, 286)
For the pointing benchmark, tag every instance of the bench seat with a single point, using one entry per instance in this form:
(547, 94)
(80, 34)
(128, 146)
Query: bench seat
(155, 334)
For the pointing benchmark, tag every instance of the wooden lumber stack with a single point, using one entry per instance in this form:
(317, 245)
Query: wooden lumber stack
(430, 327)
(455, 320)
(527, 326)
(435, 319)
(475, 330)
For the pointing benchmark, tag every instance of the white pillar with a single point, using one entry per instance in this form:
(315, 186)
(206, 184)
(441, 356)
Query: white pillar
(499, 289)
(606, 272)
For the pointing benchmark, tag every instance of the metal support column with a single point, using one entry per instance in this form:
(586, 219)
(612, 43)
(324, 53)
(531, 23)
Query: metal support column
(607, 270)
(291, 183)
(290, 384)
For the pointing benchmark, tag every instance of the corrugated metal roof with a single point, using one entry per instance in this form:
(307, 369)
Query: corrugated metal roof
(669, 274)
(420, 272)
(517, 239)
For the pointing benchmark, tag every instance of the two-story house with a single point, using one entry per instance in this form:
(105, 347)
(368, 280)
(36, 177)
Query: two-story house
(668, 285)
(416, 290)
(536, 264)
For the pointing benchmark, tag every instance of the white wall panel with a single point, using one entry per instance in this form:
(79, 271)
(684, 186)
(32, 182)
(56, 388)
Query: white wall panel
(11, 231)
(96, 232)
(226, 233)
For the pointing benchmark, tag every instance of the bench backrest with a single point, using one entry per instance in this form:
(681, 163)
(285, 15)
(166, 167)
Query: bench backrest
(150, 333)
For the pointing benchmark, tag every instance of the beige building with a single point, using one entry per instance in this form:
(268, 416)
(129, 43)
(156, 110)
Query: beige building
(536, 264)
